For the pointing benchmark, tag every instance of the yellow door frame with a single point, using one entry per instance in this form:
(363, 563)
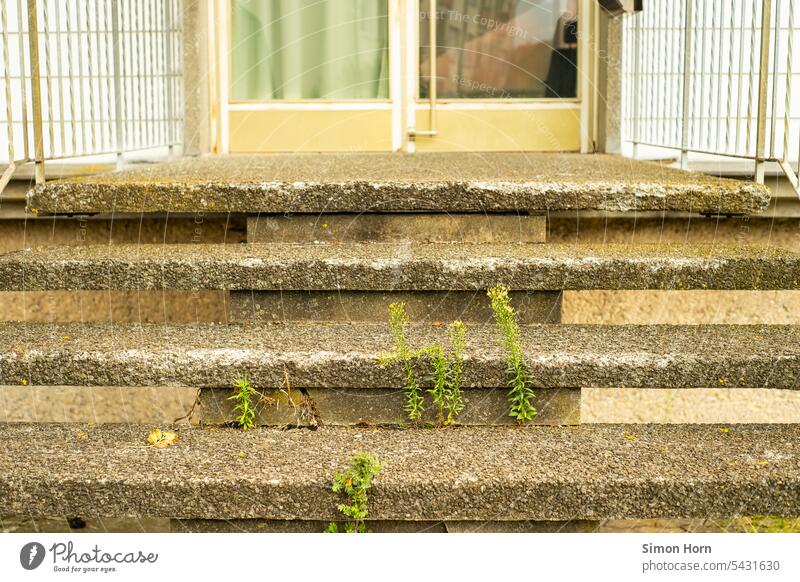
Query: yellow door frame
(367, 125)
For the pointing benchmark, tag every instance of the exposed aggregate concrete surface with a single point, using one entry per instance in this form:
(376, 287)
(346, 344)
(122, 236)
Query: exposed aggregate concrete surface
(341, 355)
(436, 182)
(386, 266)
(587, 472)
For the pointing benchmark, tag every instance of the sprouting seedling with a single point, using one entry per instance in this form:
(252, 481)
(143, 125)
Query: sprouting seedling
(243, 394)
(398, 323)
(354, 483)
(520, 394)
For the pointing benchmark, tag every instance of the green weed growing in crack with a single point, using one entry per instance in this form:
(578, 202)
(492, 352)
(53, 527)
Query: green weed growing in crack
(243, 396)
(441, 379)
(448, 372)
(354, 483)
(520, 394)
(398, 323)
(454, 404)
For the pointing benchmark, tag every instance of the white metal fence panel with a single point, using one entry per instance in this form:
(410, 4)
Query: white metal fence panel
(715, 78)
(100, 77)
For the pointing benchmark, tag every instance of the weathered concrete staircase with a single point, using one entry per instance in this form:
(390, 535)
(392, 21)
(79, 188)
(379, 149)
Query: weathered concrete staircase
(331, 241)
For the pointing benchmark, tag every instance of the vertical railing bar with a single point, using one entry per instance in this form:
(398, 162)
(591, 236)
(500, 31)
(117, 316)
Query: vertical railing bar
(89, 82)
(637, 26)
(108, 41)
(663, 76)
(71, 80)
(687, 77)
(146, 71)
(701, 29)
(750, 82)
(36, 92)
(738, 134)
(763, 81)
(7, 77)
(788, 101)
(169, 71)
(775, 76)
(712, 78)
(142, 111)
(650, 77)
(151, 76)
(694, 87)
(127, 72)
(102, 129)
(61, 92)
(81, 87)
(118, 95)
(677, 95)
(136, 95)
(48, 75)
(162, 75)
(23, 82)
(718, 116)
(730, 79)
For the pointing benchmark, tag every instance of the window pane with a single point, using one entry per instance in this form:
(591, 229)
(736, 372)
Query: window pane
(501, 49)
(310, 49)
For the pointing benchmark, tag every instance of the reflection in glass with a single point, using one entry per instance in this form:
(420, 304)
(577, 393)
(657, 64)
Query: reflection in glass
(502, 49)
(310, 49)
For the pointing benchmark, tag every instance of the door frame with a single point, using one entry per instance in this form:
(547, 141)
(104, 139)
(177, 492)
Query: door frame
(403, 107)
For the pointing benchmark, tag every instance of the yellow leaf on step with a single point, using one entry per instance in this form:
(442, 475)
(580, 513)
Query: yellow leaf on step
(162, 439)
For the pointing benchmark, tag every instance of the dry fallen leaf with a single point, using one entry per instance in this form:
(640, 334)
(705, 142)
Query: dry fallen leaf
(162, 439)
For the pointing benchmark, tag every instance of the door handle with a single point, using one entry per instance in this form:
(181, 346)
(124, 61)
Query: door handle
(432, 15)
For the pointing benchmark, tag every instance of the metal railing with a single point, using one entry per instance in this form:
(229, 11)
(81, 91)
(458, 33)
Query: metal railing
(87, 78)
(710, 77)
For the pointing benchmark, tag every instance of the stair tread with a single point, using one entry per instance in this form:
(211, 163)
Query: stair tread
(345, 355)
(390, 266)
(437, 182)
(498, 473)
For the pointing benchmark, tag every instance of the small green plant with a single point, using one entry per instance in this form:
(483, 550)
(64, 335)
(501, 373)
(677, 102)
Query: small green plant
(354, 483)
(243, 395)
(398, 323)
(441, 379)
(454, 404)
(448, 372)
(520, 394)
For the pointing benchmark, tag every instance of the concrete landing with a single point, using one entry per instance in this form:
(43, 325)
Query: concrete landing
(396, 267)
(432, 182)
(543, 473)
(340, 355)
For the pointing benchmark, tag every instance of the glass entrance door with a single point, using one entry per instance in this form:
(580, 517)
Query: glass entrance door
(338, 75)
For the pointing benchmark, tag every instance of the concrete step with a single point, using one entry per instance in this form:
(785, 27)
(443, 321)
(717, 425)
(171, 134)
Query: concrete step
(391, 267)
(340, 355)
(377, 182)
(532, 473)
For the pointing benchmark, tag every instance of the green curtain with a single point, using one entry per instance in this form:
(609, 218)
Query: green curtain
(310, 49)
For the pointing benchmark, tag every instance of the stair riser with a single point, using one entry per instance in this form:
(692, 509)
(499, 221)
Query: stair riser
(421, 306)
(373, 227)
(204, 497)
(373, 526)
(347, 407)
